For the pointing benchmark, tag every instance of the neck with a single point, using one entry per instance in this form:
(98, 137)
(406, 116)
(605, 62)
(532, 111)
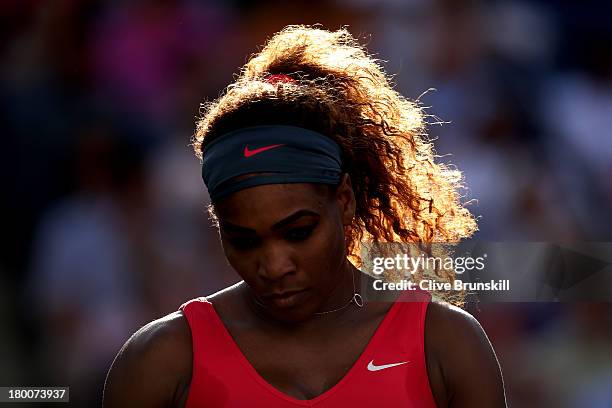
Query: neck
(342, 295)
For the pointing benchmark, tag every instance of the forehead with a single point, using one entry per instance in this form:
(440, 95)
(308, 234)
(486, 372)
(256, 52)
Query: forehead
(269, 203)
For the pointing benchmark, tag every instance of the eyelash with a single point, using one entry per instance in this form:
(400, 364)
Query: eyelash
(243, 243)
(299, 234)
(294, 235)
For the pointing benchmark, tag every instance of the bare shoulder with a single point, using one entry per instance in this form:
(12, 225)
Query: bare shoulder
(153, 368)
(229, 303)
(464, 370)
(444, 318)
(165, 332)
(454, 334)
(229, 294)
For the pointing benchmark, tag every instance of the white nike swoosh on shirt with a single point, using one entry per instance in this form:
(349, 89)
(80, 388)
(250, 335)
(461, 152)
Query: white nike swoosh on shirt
(372, 367)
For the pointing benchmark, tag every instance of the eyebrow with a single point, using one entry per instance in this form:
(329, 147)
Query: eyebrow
(226, 225)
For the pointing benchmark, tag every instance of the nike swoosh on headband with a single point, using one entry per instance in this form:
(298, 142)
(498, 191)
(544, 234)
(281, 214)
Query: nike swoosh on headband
(372, 367)
(249, 153)
(306, 157)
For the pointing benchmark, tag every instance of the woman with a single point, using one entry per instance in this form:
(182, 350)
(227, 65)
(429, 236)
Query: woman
(307, 154)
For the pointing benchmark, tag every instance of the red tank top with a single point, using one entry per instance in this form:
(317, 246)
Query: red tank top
(390, 372)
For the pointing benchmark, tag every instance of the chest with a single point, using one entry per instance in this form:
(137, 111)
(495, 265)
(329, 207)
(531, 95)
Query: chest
(306, 367)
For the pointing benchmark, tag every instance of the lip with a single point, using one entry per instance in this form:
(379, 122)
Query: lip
(278, 295)
(286, 299)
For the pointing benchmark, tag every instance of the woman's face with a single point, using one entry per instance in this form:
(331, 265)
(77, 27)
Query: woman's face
(287, 243)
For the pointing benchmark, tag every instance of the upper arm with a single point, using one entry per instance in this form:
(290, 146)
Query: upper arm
(462, 357)
(153, 368)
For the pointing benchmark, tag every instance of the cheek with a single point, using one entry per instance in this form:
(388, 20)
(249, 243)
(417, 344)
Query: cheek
(326, 253)
(237, 260)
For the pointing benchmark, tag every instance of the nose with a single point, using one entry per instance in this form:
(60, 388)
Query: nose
(275, 262)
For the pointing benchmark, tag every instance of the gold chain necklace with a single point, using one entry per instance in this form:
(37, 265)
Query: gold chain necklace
(356, 298)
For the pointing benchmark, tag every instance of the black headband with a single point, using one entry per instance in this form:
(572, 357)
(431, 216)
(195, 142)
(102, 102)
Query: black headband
(286, 154)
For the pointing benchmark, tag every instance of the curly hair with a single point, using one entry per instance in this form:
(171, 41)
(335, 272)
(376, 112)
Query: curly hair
(339, 90)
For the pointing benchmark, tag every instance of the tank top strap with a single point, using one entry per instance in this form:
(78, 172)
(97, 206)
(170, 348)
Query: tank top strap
(207, 331)
(214, 360)
(407, 333)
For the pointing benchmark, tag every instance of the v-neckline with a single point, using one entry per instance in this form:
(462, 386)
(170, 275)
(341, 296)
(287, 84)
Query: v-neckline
(360, 362)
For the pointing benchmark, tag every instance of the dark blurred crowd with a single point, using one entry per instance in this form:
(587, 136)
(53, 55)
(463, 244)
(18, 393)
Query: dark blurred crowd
(105, 211)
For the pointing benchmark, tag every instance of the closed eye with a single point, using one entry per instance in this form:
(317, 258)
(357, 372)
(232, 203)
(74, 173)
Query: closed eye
(243, 243)
(299, 234)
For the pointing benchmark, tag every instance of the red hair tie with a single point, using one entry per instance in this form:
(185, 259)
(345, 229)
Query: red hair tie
(273, 79)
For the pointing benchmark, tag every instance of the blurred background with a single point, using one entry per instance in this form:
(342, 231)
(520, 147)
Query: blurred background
(104, 213)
